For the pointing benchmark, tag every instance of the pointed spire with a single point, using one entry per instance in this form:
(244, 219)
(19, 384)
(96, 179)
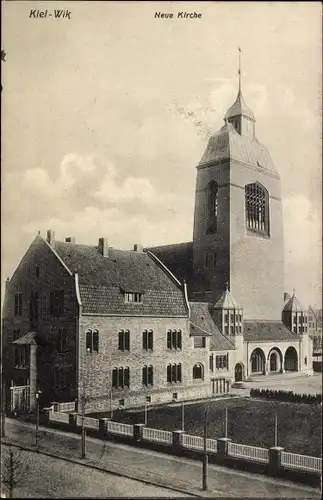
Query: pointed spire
(239, 70)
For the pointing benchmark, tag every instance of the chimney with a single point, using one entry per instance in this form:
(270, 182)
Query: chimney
(103, 247)
(70, 239)
(51, 237)
(138, 248)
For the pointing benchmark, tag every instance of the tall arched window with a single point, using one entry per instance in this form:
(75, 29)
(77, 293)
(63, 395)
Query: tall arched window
(257, 208)
(213, 206)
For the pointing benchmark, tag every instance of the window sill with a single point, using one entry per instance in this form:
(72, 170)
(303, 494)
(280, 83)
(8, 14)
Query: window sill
(257, 233)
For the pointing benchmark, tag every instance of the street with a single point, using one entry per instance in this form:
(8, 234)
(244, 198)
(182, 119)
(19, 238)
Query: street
(48, 477)
(182, 474)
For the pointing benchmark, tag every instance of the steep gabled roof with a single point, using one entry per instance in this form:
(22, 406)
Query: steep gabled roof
(201, 322)
(102, 281)
(257, 331)
(178, 258)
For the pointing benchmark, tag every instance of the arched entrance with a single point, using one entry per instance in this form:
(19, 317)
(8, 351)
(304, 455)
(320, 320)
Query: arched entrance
(238, 372)
(291, 360)
(258, 361)
(275, 360)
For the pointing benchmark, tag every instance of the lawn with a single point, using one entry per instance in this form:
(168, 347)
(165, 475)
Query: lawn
(250, 422)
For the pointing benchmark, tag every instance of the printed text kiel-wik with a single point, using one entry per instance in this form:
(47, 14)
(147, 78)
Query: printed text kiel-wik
(40, 14)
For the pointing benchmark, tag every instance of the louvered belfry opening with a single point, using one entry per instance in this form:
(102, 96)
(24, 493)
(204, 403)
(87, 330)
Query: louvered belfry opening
(257, 216)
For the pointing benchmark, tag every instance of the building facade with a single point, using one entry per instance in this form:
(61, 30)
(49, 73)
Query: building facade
(112, 328)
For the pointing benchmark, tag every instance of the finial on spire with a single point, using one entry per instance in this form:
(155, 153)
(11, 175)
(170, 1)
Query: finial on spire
(227, 285)
(239, 70)
(294, 291)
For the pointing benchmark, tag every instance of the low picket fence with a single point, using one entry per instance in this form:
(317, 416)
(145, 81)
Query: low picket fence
(250, 452)
(157, 435)
(89, 423)
(121, 429)
(301, 462)
(57, 416)
(197, 443)
(253, 453)
(69, 406)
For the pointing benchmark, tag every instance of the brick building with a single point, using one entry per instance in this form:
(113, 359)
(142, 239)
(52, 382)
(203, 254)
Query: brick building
(112, 326)
(182, 321)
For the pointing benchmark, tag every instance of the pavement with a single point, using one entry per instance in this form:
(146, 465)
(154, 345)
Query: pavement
(42, 476)
(177, 474)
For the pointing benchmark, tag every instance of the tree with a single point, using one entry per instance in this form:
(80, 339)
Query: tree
(13, 469)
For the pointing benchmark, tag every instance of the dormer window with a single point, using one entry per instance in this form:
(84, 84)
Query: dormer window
(134, 298)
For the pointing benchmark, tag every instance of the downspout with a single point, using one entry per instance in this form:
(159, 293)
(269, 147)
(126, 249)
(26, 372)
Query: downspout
(77, 338)
(247, 359)
(186, 299)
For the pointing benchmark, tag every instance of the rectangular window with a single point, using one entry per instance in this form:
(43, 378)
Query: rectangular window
(124, 340)
(211, 363)
(92, 341)
(240, 318)
(62, 341)
(214, 260)
(226, 318)
(232, 318)
(206, 260)
(18, 304)
(174, 373)
(135, 298)
(120, 377)
(147, 376)
(231, 329)
(33, 306)
(21, 356)
(226, 329)
(147, 340)
(56, 303)
(199, 342)
(174, 339)
(37, 271)
(221, 362)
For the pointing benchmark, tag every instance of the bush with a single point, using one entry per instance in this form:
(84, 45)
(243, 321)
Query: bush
(288, 396)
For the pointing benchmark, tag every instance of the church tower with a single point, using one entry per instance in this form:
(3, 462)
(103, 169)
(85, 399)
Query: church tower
(238, 228)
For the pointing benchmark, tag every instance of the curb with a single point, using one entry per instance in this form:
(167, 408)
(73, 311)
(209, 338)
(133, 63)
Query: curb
(129, 475)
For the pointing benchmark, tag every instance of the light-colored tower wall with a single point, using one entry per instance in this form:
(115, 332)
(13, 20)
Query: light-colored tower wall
(210, 281)
(256, 262)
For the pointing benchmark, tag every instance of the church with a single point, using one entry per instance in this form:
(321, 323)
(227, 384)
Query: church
(170, 323)
(235, 262)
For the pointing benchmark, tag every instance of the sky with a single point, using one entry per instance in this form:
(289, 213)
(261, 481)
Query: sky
(107, 112)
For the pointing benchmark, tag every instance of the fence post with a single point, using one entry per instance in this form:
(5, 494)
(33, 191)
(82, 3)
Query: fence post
(47, 412)
(103, 426)
(72, 419)
(275, 457)
(55, 406)
(222, 447)
(137, 431)
(177, 440)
